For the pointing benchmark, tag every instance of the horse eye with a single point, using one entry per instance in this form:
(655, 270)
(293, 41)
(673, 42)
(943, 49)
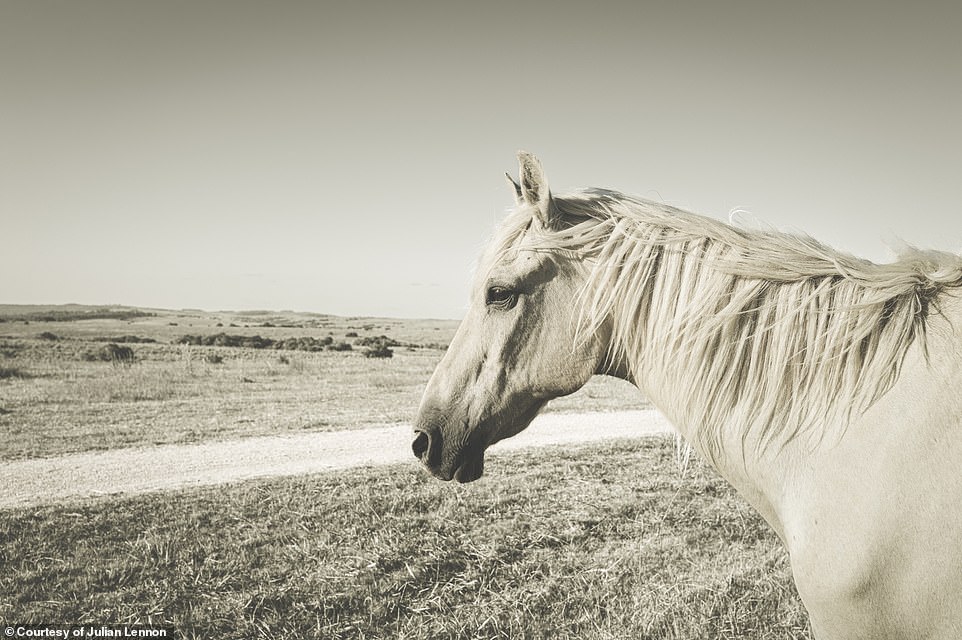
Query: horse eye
(501, 298)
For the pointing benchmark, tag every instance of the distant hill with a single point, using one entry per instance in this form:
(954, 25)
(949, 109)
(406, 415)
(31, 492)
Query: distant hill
(69, 312)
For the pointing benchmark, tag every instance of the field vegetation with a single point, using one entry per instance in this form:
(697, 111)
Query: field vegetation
(609, 541)
(597, 542)
(194, 376)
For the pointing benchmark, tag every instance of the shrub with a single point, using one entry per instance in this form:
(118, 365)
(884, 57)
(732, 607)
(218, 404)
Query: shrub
(377, 342)
(116, 354)
(9, 351)
(214, 358)
(7, 373)
(350, 334)
(302, 344)
(378, 352)
(305, 343)
(46, 335)
(340, 346)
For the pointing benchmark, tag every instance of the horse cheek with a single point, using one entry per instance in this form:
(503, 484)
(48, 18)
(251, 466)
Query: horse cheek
(564, 363)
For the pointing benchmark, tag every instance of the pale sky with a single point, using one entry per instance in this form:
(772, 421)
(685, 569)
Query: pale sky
(347, 158)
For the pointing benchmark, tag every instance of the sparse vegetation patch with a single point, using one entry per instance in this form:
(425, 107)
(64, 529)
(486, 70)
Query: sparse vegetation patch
(380, 346)
(125, 340)
(380, 351)
(257, 342)
(116, 354)
(377, 342)
(7, 373)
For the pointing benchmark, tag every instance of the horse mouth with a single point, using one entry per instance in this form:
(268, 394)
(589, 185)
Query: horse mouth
(471, 468)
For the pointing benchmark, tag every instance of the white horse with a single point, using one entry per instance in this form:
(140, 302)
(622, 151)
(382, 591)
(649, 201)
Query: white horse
(827, 389)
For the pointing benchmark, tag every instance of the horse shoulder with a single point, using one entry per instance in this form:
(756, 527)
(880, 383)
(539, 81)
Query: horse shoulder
(874, 532)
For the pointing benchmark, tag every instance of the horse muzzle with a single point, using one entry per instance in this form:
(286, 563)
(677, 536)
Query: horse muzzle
(466, 465)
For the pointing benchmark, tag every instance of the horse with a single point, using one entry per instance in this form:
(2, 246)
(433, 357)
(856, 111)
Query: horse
(827, 389)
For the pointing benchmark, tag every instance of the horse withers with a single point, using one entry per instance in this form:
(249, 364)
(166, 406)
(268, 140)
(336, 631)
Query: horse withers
(826, 388)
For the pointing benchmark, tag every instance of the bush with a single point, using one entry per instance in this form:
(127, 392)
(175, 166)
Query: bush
(46, 335)
(256, 342)
(9, 350)
(116, 354)
(340, 346)
(377, 342)
(214, 358)
(7, 373)
(302, 344)
(124, 339)
(378, 352)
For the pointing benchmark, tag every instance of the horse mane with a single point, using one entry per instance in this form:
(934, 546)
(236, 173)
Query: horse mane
(730, 328)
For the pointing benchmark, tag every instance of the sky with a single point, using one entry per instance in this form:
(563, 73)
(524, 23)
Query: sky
(348, 158)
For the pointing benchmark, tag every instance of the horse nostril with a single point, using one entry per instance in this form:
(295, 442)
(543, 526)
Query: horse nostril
(421, 444)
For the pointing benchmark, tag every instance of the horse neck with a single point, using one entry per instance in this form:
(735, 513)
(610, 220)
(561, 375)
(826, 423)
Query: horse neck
(756, 374)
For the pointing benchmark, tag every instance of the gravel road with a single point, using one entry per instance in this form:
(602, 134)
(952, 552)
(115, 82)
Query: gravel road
(144, 469)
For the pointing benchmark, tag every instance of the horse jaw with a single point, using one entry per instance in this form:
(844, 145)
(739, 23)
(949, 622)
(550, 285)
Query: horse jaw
(454, 448)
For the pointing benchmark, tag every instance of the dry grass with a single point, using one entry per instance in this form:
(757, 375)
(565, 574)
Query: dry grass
(600, 542)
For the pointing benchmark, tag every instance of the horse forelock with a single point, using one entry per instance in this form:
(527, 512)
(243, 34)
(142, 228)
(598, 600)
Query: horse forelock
(733, 328)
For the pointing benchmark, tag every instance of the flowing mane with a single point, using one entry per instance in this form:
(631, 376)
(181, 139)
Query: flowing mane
(750, 330)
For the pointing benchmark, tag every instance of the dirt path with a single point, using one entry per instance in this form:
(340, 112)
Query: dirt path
(144, 469)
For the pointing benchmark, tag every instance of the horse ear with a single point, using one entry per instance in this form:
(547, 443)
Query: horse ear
(515, 189)
(534, 189)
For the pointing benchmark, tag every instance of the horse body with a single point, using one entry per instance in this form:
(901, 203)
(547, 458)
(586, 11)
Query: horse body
(823, 387)
(872, 521)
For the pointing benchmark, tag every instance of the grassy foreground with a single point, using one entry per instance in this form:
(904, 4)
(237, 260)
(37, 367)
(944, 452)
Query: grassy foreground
(606, 541)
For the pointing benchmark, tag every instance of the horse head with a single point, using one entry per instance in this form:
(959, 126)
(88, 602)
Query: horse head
(519, 344)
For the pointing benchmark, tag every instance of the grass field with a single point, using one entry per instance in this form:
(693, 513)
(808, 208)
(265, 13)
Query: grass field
(608, 541)
(54, 401)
